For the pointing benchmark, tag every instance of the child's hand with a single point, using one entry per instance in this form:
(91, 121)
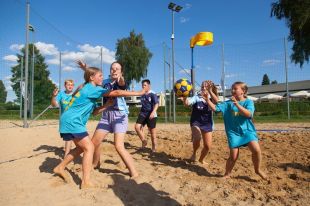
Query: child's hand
(205, 94)
(81, 64)
(110, 102)
(234, 100)
(55, 92)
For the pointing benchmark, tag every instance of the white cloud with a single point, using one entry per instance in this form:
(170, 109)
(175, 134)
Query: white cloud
(270, 62)
(10, 58)
(68, 68)
(54, 61)
(47, 49)
(184, 19)
(187, 6)
(16, 47)
(230, 75)
(185, 71)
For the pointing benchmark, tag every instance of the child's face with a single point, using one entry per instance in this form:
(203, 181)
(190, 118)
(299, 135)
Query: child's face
(69, 86)
(204, 86)
(237, 91)
(146, 86)
(97, 78)
(115, 71)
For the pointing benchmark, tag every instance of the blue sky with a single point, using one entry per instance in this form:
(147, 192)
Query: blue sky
(253, 42)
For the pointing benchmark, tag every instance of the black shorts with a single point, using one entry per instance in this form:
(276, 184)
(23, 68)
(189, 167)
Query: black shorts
(145, 120)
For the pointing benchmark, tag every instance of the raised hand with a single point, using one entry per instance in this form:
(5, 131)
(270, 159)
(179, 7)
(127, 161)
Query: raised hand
(55, 92)
(234, 100)
(81, 64)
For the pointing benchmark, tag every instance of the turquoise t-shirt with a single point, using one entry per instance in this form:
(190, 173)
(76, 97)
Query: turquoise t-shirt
(74, 119)
(63, 100)
(239, 129)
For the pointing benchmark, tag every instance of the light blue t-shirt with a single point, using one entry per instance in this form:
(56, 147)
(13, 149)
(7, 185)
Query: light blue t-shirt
(63, 100)
(119, 102)
(240, 130)
(74, 119)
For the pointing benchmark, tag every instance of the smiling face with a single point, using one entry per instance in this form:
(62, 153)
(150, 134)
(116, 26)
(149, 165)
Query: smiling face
(69, 86)
(239, 90)
(204, 86)
(115, 71)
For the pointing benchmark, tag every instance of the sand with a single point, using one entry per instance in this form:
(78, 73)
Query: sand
(167, 177)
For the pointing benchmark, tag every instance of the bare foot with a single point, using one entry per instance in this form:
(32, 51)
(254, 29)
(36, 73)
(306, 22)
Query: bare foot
(153, 149)
(61, 172)
(226, 177)
(144, 143)
(96, 167)
(203, 162)
(87, 185)
(262, 175)
(193, 158)
(134, 176)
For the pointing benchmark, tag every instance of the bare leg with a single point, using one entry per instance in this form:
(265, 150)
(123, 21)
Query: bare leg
(68, 145)
(139, 130)
(88, 149)
(124, 154)
(196, 137)
(97, 138)
(230, 163)
(154, 140)
(60, 168)
(207, 142)
(256, 158)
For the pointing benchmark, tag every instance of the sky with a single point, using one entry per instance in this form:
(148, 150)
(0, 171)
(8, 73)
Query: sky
(247, 42)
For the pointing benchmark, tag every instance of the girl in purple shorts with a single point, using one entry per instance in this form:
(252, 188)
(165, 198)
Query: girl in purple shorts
(201, 121)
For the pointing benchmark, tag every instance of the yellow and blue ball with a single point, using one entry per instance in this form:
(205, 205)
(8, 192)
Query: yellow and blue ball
(182, 87)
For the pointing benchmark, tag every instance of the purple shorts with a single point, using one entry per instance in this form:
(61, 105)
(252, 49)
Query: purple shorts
(113, 121)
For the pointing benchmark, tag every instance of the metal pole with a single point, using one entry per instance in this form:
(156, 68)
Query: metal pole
(26, 67)
(193, 72)
(170, 86)
(223, 74)
(286, 80)
(59, 81)
(32, 80)
(173, 75)
(21, 87)
(165, 79)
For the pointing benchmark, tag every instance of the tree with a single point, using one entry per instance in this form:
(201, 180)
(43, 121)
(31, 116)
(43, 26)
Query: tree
(3, 92)
(132, 53)
(296, 14)
(274, 82)
(43, 86)
(266, 80)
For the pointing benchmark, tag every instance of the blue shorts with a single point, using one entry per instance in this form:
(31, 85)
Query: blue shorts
(206, 127)
(113, 121)
(71, 136)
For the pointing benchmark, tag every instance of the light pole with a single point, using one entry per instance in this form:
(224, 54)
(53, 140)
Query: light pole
(174, 8)
(200, 39)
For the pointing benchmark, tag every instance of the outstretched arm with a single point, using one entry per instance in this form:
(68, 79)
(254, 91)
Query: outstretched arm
(54, 103)
(100, 109)
(123, 93)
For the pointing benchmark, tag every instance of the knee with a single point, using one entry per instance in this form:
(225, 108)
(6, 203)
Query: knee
(89, 147)
(207, 146)
(137, 127)
(233, 158)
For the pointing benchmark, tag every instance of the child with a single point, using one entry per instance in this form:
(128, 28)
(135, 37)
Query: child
(238, 113)
(201, 121)
(73, 122)
(62, 99)
(114, 119)
(147, 114)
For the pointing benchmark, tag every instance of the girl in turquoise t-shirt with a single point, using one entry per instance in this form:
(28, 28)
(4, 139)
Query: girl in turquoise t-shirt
(238, 113)
(73, 122)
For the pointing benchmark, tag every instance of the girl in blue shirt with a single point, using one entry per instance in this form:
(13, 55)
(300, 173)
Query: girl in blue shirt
(73, 121)
(201, 121)
(238, 113)
(62, 99)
